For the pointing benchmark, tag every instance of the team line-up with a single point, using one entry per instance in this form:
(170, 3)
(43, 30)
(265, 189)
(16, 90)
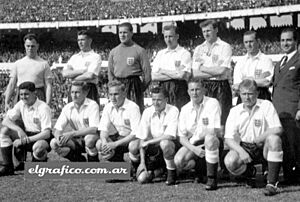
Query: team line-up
(191, 124)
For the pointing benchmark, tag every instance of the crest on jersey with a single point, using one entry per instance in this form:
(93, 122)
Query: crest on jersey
(36, 120)
(215, 58)
(86, 121)
(177, 63)
(130, 61)
(257, 122)
(205, 121)
(127, 122)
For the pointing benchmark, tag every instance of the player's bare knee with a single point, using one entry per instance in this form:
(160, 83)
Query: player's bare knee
(54, 144)
(274, 143)
(99, 145)
(90, 141)
(231, 160)
(168, 148)
(134, 146)
(40, 146)
(5, 139)
(211, 142)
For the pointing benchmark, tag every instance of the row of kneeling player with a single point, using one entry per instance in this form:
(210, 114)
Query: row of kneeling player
(161, 139)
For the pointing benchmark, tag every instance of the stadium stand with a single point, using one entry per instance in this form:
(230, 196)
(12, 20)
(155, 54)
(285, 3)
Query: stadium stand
(69, 10)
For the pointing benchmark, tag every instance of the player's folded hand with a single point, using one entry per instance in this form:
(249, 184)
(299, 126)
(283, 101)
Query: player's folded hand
(200, 151)
(65, 138)
(106, 148)
(245, 157)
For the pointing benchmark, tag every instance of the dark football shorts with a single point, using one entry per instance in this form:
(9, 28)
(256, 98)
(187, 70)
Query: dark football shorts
(255, 152)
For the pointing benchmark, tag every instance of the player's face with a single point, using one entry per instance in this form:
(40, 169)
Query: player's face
(27, 97)
(116, 96)
(171, 38)
(287, 42)
(77, 94)
(210, 33)
(31, 48)
(250, 43)
(125, 35)
(196, 92)
(159, 101)
(84, 43)
(249, 97)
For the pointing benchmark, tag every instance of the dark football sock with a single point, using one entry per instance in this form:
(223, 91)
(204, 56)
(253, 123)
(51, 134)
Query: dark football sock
(7, 156)
(273, 175)
(212, 169)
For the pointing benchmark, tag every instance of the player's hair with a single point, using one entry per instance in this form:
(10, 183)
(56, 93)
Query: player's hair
(128, 25)
(116, 83)
(171, 27)
(30, 37)
(289, 29)
(205, 23)
(84, 32)
(160, 90)
(250, 32)
(27, 85)
(84, 86)
(248, 84)
(196, 80)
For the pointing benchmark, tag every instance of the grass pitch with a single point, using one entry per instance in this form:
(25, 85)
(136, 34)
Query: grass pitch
(18, 188)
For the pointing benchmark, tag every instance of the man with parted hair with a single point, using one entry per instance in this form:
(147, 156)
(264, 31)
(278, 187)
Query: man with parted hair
(85, 66)
(155, 147)
(31, 134)
(255, 65)
(286, 100)
(172, 68)
(82, 116)
(30, 68)
(253, 134)
(129, 63)
(118, 124)
(199, 121)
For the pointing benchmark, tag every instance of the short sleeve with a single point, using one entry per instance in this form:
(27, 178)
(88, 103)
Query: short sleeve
(172, 122)
(230, 126)
(62, 120)
(105, 120)
(15, 113)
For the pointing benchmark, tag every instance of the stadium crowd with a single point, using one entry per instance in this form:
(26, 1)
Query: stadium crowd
(68, 10)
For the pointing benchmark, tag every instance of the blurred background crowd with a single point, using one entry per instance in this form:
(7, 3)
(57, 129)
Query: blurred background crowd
(68, 10)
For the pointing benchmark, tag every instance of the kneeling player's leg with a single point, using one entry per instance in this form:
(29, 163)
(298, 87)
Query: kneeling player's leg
(184, 160)
(134, 155)
(60, 150)
(274, 155)
(212, 159)
(6, 151)
(104, 154)
(168, 148)
(234, 164)
(90, 147)
(39, 150)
